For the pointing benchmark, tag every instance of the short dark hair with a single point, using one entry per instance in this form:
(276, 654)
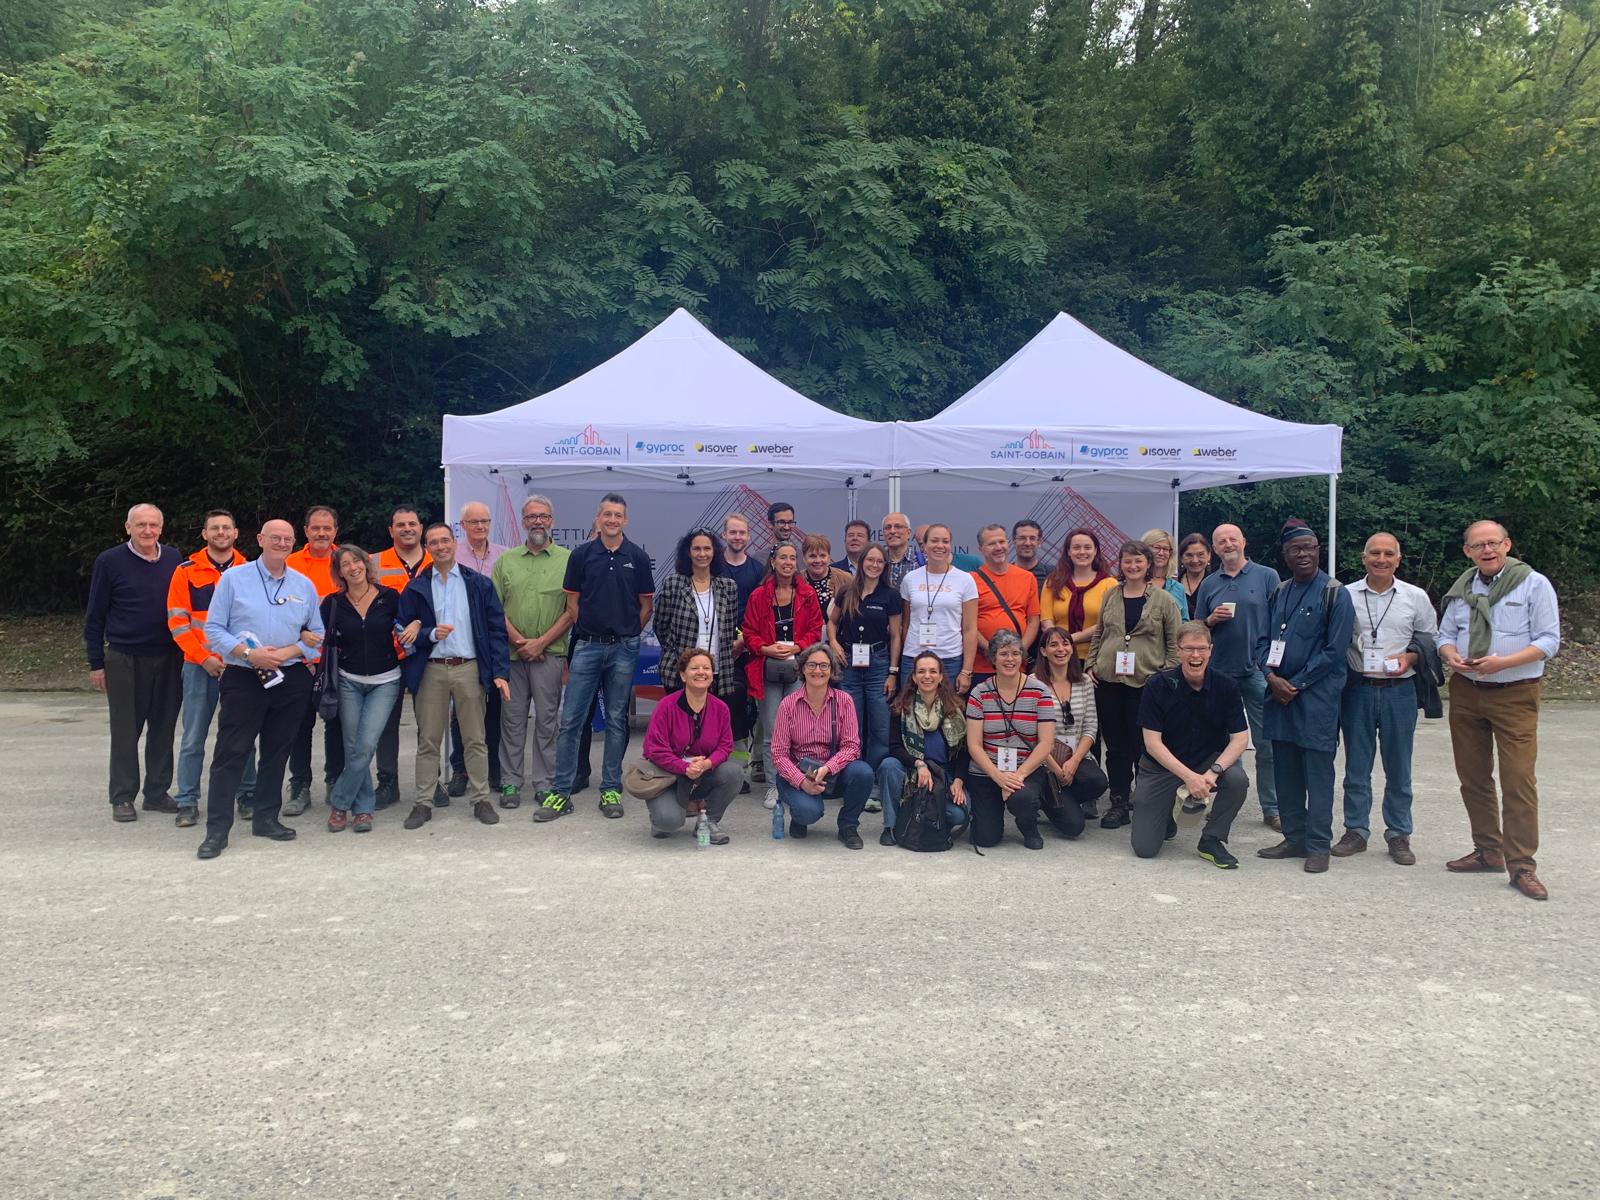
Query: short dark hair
(327, 508)
(1028, 523)
(858, 522)
(614, 498)
(682, 564)
(432, 525)
(776, 507)
(217, 512)
(403, 508)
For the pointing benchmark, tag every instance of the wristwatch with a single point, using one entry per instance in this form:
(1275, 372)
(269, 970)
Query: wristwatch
(1217, 767)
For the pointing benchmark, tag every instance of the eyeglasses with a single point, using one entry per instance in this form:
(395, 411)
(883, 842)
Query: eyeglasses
(818, 666)
(1479, 547)
(1194, 649)
(278, 537)
(476, 521)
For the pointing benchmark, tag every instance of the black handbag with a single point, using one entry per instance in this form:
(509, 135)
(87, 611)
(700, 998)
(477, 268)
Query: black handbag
(325, 684)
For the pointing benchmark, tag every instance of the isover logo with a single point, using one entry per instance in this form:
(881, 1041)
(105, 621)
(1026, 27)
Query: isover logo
(1160, 451)
(586, 443)
(778, 449)
(716, 448)
(1214, 452)
(1031, 447)
(1102, 453)
(659, 447)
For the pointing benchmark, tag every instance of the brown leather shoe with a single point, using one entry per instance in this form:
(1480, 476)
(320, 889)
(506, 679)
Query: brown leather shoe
(1478, 860)
(1351, 843)
(124, 811)
(1316, 864)
(1400, 851)
(1271, 822)
(1282, 850)
(1526, 882)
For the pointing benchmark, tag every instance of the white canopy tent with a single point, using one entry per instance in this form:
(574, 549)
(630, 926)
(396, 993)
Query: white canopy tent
(1070, 408)
(677, 415)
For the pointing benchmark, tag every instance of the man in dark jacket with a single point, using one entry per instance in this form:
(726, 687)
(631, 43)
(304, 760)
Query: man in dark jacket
(462, 653)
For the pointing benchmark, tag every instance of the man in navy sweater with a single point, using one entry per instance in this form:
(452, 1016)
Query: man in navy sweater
(134, 661)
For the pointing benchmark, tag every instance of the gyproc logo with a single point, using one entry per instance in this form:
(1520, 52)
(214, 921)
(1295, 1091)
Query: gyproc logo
(1031, 447)
(1102, 453)
(586, 443)
(659, 447)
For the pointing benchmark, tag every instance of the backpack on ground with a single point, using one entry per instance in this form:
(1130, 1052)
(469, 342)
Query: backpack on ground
(921, 824)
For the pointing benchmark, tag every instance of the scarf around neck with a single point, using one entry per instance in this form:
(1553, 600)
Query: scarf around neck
(1077, 614)
(1480, 619)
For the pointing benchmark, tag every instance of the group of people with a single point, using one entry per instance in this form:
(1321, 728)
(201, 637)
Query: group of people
(943, 690)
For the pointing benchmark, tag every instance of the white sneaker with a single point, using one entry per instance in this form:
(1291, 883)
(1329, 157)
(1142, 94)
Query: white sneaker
(771, 802)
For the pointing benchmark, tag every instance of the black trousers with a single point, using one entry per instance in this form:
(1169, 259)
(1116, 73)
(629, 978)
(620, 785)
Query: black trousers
(143, 693)
(1118, 706)
(332, 749)
(1063, 806)
(491, 735)
(250, 711)
(989, 811)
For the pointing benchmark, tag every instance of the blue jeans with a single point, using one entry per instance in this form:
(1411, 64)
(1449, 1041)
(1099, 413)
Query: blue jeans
(1370, 717)
(891, 778)
(594, 666)
(864, 686)
(1305, 795)
(364, 710)
(851, 784)
(952, 668)
(199, 706)
(1254, 689)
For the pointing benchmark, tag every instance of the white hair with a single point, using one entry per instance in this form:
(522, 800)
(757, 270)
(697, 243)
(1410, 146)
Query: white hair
(537, 499)
(152, 507)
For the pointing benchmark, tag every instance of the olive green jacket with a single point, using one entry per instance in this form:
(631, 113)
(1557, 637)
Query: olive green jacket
(1154, 642)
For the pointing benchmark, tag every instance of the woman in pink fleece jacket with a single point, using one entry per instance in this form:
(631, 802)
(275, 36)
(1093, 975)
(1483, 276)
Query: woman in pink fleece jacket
(691, 736)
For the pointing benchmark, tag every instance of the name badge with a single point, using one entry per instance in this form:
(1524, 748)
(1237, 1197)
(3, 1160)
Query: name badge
(1124, 662)
(1373, 662)
(928, 633)
(860, 654)
(1275, 652)
(703, 641)
(1006, 758)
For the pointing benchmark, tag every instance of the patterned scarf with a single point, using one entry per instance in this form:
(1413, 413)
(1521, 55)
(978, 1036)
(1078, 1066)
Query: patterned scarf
(1077, 617)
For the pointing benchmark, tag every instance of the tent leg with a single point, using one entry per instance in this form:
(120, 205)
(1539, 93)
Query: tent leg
(1177, 530)
(894, 491)
(1333, 518)
(448, 507)
(851, 507)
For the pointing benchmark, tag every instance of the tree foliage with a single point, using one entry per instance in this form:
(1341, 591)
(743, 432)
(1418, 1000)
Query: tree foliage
(250, 250)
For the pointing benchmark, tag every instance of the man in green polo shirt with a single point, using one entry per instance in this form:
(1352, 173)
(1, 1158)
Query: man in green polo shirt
(528, 580)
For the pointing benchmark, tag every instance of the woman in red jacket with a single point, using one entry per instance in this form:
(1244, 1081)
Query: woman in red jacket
(782, 616)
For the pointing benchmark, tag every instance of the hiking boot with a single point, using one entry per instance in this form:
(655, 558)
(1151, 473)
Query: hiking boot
(1117, 815)
(554, 805)
(419, 816)
(338, 819)
(611, 804)
(458, 784)
(362, 823)
(1351, 843)
(299, 799)
(484, 811)
(510, 796)
(1215, 851)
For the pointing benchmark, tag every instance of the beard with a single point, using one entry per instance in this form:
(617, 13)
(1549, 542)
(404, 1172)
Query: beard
(538, 539)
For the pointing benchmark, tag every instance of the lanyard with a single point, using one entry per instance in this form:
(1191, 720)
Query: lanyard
(1289, 610)
(1366, 599)
(926, 577)
(708, 611)
(1005, 713)
(276, 596)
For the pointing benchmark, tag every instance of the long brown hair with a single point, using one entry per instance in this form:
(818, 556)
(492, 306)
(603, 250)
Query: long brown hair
(1062, 575)
(948, 699)
(849, 600)
(1042, 668)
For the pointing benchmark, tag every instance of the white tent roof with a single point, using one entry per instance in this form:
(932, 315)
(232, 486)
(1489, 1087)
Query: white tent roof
(1069, 404)
(677, 401)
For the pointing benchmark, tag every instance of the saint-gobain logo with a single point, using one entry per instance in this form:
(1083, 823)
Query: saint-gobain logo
(1093, 452)
(716, 448)
(771, 448)
(1214, 452)
(659, 447)
(1160, 451)
(1031, 446)
(586, 443)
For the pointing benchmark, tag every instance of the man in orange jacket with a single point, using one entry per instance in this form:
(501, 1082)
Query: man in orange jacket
(314, 560)
(188, 598)
(397, 567)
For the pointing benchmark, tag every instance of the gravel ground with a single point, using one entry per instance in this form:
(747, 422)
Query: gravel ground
(577, 1010)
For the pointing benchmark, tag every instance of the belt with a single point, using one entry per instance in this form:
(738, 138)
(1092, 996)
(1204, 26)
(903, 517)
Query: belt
(1383, 681)
(452, 661)
(1484, 683)
(604, 639)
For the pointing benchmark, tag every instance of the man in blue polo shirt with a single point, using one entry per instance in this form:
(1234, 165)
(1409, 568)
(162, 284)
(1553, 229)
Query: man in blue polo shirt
(1194, 734)
(264, 621)
(1233, 603)
(610, 587)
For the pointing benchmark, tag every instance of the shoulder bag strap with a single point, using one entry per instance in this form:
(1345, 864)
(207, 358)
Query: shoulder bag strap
(1010, 616)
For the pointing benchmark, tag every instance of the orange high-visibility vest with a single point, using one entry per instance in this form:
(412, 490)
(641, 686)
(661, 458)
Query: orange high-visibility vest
(318, 570)
(393, 573)
(189, 598)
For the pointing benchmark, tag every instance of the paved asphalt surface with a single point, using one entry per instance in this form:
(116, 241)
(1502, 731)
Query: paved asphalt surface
(577, 1010)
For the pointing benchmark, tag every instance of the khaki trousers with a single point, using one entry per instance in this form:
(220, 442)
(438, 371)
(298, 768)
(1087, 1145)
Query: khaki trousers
(440, 684)
(1483, 721)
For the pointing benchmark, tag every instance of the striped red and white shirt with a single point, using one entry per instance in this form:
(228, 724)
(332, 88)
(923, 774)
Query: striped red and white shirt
(1014, 724)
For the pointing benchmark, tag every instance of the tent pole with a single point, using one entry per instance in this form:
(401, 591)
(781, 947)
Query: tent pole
(851, 507)
(447, 508)
(1177, 530)
(894, 491)
(1333, 518)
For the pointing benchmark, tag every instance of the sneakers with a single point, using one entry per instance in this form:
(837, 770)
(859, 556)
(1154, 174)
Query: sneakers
(484, 811)
(1351, 843)
(771, 802)
(554, 805)
(458, 784)
(874, 805)
(1215, 851)
(187, 816)
(419, 816)
(611, 804)
(718, 838)
(299, 799)
(338, 819)
(362, 823)
(510, 796)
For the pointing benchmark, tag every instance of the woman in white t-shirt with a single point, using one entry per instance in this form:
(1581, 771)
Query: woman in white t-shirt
(941, 612)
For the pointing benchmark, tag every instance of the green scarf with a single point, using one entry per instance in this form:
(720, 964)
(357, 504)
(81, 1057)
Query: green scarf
(1480, 626)
(952, 725)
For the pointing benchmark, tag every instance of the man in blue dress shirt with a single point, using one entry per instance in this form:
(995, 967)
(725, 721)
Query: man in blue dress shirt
(265, 622)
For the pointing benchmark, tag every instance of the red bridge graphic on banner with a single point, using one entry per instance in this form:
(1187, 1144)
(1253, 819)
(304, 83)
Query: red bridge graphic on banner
(1067, 509)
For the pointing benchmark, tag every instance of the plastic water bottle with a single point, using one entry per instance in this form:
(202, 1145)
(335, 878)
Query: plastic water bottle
(405, 650)
(777, 821)
(702, 831)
